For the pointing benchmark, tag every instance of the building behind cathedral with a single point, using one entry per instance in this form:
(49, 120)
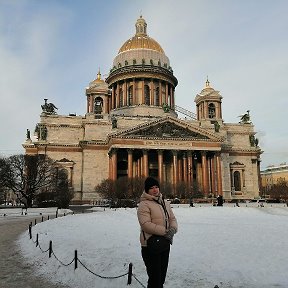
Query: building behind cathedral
(131, 128)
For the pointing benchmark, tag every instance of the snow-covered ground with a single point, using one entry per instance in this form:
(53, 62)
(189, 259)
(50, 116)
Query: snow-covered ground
(228, 246)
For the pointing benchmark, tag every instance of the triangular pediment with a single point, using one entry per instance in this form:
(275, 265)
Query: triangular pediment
(168, 128)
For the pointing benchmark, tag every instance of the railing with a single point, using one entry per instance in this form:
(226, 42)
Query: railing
(185, 112)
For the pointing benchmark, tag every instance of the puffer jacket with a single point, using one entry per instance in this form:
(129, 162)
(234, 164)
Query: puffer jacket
(152, 217)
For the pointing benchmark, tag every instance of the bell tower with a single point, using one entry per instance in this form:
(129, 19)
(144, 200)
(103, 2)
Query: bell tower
(208, 104)
(97, 97)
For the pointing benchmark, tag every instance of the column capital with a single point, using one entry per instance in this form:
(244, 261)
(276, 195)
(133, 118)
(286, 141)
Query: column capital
(175, 152)
(112, 151)
(203, 153)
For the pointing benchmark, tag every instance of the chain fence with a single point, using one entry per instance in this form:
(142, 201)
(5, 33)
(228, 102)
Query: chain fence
(129, 274)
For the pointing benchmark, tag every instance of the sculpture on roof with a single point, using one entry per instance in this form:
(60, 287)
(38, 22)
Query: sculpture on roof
(216, 126)
(245, 118)
(165, 107)
(49, 108)
(27, 134)
(114, 122)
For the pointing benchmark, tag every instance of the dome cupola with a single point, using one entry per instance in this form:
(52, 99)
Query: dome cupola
(141, 50)
(141, 80)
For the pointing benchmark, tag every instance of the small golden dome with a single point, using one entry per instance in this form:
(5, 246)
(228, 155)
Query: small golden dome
(141, 40)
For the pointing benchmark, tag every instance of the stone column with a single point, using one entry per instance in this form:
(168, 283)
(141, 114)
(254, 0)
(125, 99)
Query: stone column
(114, 164)
(180, 170)
(160, 165)
(166, 94)
(160, 94)
(91, 108)
(110, 165)
(204, 173)
(174, 168)
(130, 163)
(145, 163)
(134, 92)
(139, 174)
(125, 94)
(172, 97)
(105, 105)
(143, 94)
(118, 96)
(113, 97)
(190, 167)
(213, 182)
(219, 174)
(205, 110)
(88, 100)
(152, 93)
(185, 167)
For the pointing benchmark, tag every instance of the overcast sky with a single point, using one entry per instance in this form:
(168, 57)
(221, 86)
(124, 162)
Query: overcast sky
(53, 49)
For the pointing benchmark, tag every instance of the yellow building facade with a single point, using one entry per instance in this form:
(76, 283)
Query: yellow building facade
(273, 175)
(131, 129)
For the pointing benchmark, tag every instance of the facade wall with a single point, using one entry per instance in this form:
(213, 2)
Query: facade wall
(83, 142)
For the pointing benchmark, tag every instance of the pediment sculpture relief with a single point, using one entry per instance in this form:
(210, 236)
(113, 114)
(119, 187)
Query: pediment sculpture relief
(167, 130)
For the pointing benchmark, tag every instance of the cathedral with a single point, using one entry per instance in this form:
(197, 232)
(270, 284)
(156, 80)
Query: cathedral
(131, 129)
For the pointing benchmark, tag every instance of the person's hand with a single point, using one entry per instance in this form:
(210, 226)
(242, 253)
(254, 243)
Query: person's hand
(170, 234)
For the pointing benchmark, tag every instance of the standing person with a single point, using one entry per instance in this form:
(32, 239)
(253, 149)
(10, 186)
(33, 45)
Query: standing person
(155, 217)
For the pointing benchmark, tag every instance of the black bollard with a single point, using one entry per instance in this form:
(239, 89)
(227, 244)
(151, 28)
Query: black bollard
(76, 260)
(50, 249)
(30, 231)
(129, 274)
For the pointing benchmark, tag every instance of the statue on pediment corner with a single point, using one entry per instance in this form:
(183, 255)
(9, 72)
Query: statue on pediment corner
(48, 108)
(166, 107)
(245, 118)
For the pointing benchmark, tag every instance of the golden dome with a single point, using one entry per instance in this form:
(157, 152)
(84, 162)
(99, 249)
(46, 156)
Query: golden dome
(141, 40)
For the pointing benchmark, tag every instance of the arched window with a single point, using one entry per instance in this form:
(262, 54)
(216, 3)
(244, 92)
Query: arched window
(157, 99)
(130, 96)
(147, 94)
(115, 101)
(121, 97)
(237, 181)
(98, 104)
(211, 110)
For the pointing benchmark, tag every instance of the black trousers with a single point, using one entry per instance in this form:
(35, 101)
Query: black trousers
(156, 266)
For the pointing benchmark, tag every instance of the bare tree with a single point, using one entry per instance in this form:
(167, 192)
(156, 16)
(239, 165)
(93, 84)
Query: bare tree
(3, 189)
(279, 191)
(28, 175)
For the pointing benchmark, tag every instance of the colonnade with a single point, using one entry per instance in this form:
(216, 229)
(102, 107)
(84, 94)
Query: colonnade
(174, 166)
(141, 91)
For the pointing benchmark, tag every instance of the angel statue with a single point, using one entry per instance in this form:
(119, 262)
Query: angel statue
(48, 108)
(245, 118)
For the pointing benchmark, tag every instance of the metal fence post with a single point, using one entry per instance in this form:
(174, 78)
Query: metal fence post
(50, 248)
(75, 259)
(129, 274)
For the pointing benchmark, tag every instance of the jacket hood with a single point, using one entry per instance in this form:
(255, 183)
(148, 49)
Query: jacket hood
(146, 196)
